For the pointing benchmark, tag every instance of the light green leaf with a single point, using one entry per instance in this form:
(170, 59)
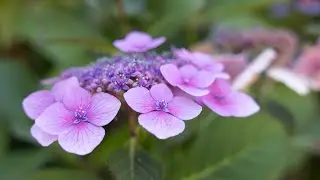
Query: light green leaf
(233, 149)
(19, 165)
(144, 167)
(62, 174)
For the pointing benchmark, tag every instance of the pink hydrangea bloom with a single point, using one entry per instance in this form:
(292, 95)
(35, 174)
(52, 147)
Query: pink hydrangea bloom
(136, 41)
(233, 64)
(189, 79)
(225, 101)
(35, 104)
(162, 113)
(77, 120)
(308, 64)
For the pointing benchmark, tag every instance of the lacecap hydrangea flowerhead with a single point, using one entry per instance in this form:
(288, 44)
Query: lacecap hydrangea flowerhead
(164, 88)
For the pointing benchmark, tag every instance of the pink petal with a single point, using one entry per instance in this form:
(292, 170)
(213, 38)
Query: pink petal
(193, 90)
(221, 87)
(205, 61)
(81, 139)
(122, 46)
(103, 109)
(156, 42)
(59, 90)
(161, 92)
(184, 108)
(203, 79)
(137, 41)
(188, 72)
(183, 54)
(237, 104)
(171, 73)
(55, 119)
(137, 37)
(140, 100)
(161, 124)
(76, 98)
(34, 104)
(43, 138)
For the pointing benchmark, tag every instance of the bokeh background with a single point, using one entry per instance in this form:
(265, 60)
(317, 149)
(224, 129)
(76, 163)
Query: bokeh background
(40, 38)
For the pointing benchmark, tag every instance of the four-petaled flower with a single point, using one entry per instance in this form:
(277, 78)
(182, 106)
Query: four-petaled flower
(77, 120)
(162, 113)
(137, 41)
(35, 104)
(225, 101)
(189, 79)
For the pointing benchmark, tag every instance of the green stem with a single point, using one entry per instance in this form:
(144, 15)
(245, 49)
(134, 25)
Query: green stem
(133, 140)
(122, 16)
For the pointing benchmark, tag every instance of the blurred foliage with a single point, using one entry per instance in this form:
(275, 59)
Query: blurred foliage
(39, 38)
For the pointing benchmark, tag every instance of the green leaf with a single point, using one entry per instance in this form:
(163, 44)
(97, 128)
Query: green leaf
(17, 82)
(19, 165)
(303, 108)
(175, 14)
(62, 174)
(231, 9)
(144, 167)
(64, 37)
(233, 149)
(4, 139)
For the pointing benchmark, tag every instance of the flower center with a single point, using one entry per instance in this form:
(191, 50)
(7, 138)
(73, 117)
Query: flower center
(80, 115)
(162, 106)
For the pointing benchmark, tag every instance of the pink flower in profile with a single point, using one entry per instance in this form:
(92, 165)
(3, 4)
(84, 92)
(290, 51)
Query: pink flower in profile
(162, 113)
(35, 104)
(224, 101)
(189, 79)
(137, 41)
(77, 120)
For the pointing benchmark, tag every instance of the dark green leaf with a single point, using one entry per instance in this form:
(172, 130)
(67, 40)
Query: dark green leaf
(4, 139)
(19, 165)
(114, 141)
(175, 15)
(17, 83)
(303, 108)
(144, 167)
(233, 149)
(62, 174)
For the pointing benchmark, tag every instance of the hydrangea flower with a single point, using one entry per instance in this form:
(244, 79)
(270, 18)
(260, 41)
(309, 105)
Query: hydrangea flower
(225, 101)
(188, 78)
(162, 113)
(79, 105)
(37, 102)
(77, 120)
(138, 42)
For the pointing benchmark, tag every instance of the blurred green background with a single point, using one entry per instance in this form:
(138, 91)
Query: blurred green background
(40, 38)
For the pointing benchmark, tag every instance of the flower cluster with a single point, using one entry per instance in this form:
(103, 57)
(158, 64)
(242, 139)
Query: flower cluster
(165, 89)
